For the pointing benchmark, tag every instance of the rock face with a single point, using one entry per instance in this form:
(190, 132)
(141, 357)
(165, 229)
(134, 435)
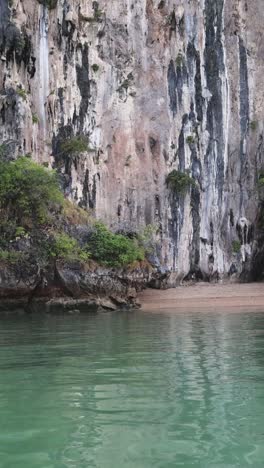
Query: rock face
(155, 85)
(73, 286)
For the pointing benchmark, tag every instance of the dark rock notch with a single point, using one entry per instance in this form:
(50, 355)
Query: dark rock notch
(176, 78)
(214, 68)
(83, 83)
(244, 115)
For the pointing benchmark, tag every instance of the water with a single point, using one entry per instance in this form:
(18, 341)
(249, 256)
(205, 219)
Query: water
(132, 390)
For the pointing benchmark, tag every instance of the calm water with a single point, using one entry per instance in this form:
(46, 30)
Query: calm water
(132, 390)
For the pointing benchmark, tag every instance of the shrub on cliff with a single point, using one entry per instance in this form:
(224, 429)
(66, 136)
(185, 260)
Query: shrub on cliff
(65, 247)
(74, 145)
(10, 257)
(113, 250)
(28, 191)
(179, 182)
(37, 222)
(236, 246)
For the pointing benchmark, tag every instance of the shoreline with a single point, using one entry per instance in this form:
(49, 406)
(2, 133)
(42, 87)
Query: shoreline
(204, 297)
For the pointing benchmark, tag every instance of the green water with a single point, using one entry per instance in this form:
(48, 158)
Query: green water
(132, 390)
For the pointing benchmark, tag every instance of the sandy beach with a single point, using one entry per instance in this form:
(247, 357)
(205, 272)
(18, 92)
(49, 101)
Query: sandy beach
(203, 297)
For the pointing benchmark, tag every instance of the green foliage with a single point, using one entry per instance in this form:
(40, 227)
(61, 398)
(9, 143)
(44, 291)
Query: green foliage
(67, 248)
(74, 145)
(7, 231)
(98, 14)
(190, 140)
(63, 245)
(114, 250)
(28, 190)
(95, 67)
(2, 150)
(10, 257)
(236, 246)
(35, 119)
(84, 255)
(21, 93)
(179, 182)
(32, 206)
(20, 232)
(261, 182)
(4, 255)
(253, 125)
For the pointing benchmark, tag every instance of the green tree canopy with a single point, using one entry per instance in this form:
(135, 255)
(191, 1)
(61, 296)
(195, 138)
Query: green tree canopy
(114, 250)
(28, 190)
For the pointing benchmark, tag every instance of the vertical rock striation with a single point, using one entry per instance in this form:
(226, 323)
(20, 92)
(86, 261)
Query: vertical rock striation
(154, 86)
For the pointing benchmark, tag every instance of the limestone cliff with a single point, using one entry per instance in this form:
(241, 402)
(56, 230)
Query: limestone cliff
(155, 85)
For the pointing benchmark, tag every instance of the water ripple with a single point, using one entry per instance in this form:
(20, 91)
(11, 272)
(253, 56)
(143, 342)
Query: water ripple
(132, 390)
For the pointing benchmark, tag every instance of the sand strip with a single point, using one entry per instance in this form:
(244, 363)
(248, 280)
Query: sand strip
(203, 297)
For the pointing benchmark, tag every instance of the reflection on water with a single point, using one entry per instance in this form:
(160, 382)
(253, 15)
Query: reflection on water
(132, 390)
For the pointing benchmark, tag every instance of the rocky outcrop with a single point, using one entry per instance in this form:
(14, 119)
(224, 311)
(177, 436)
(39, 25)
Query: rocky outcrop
(155, 86)
(75, 287)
